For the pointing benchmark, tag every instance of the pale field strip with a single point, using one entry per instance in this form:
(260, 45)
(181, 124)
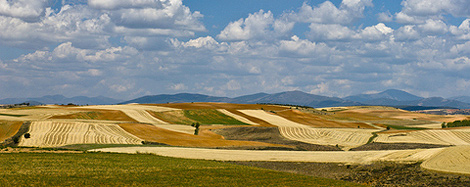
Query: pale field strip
(346, 138)
(450, 160)
(59, 133)
(348, 157)
(33, 114)
(442, 137)
(237, 117)
(140, 113)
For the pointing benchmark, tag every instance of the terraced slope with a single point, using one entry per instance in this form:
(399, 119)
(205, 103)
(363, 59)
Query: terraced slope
(442, 137)
(56, 133)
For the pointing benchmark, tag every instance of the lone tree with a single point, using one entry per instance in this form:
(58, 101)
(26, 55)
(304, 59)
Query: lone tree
(196, 125)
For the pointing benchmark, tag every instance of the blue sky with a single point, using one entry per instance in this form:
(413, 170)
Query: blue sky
(126, 49)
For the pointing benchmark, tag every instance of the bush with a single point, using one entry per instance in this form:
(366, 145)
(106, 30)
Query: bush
(27, 135)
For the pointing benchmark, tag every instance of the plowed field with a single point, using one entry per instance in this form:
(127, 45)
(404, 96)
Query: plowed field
(55, 133)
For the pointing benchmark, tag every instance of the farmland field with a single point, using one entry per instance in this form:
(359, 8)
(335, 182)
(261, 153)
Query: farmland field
(202, 116)
(105, 169)
(56, 133)
(241, 132)
(8, 129)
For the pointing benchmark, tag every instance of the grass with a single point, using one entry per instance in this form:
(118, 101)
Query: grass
(86, 147)
(97, 115)
(106, 169)
(12, 115)
(398, 127)
(202, 116)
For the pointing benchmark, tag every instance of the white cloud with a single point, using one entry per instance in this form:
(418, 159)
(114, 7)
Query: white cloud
(233, 85)
(178, 87)
(375, 32)
(463, 31)
(303, 48)
(327, 12)
(255, 26)
(27, 10)
(385, 17)
(417, 11)
(120, 4)
(329, 32)
(407, 32)
(433, 27)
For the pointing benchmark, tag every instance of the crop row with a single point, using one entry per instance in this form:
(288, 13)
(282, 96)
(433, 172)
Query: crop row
(52, 134)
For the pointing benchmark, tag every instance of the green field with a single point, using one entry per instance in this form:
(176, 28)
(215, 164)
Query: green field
(12, 115)
(106, 169)
(202, 116)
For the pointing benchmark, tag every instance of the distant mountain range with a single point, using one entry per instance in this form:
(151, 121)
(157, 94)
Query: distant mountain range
(291, 97)
(60, 99)
(392, 97)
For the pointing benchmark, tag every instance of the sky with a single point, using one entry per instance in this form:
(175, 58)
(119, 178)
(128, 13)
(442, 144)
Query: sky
(127, 49)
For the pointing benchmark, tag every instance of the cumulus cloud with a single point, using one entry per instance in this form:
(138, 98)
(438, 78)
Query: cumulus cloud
(27, 10)
(327, 12)
(417, 11)
(254, 26)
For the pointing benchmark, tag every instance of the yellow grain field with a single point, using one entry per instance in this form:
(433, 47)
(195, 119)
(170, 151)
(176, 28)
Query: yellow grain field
(56, 133)
(346, 138)
(451, 160)
(442, 137)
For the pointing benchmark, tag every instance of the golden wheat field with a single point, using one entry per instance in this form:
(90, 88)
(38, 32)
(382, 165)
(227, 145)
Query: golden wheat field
(170, 125)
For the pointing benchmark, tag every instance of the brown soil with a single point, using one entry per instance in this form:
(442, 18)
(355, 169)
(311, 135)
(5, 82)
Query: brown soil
(204, 139)
(395, 146)
(8, 129)
(114, 115)
(377, 174)
(315, 121)
(269, 135)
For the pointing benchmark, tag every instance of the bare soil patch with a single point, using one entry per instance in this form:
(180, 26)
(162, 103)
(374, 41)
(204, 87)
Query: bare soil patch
(377, 174)
(395, 146)
(269, 135)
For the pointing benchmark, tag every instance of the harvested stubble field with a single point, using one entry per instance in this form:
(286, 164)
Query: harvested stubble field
(242, 129)
(442, 137)
(57, 133)
(450, 160)
(105, 169)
